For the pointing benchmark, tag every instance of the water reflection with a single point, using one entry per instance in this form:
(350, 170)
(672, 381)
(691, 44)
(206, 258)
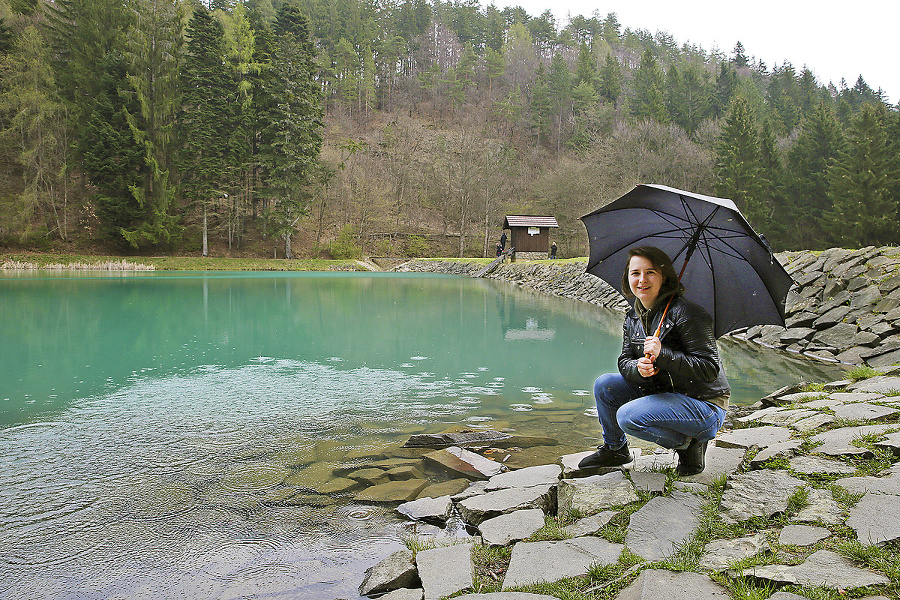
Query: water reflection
(195, 435)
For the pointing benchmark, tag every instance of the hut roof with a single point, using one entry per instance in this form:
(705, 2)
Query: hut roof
(528, 221)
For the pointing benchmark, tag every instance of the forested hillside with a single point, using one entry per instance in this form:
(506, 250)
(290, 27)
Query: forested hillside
(347, 127)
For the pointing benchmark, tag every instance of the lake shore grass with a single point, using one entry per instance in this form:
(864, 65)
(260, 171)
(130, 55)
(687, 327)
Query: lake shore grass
(62, 262)
(82, 262)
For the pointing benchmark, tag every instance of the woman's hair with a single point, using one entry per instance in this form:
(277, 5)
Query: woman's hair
(661, 261)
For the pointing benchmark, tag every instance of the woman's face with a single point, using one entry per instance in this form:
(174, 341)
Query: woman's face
(645, 280)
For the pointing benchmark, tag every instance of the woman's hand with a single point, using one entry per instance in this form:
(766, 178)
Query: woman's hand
(646, 368)
(652, 347)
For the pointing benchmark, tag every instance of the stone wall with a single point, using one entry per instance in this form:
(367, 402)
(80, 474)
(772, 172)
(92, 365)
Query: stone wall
(844, 306)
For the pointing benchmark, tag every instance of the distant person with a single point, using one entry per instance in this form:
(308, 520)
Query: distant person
(502, 241)
(499, 249)
(670, 388)
(553, 251)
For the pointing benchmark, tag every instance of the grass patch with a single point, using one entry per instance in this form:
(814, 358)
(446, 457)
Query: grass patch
(861, 372)
(490, 563)
(812, 387)
(173, 263)
(553, 530)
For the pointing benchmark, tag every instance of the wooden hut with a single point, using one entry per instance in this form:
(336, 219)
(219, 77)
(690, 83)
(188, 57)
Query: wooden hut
(529, 235)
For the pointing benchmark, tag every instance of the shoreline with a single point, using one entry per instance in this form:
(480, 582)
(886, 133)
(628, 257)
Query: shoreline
(844, 306)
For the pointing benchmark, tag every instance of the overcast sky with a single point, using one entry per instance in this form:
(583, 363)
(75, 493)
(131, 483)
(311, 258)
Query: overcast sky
(835, 40)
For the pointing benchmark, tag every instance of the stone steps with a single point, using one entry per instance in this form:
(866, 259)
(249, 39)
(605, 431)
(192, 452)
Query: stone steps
(509, 507)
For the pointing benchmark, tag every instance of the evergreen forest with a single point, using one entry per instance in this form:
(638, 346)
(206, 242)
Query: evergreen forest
(341, 128)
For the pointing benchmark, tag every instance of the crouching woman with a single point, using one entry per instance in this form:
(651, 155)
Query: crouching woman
(671, 387)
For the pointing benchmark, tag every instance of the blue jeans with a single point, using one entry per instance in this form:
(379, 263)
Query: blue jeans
(668, 419)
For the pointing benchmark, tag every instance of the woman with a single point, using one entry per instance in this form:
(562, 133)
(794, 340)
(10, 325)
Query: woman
(671, 387)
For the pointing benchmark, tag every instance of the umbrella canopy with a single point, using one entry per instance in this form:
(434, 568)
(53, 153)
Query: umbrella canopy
(731, 271)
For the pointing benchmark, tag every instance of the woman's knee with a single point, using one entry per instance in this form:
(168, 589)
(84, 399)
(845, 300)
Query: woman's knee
(606, 386)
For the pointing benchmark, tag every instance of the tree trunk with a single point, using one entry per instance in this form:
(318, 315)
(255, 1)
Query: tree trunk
(205, 234)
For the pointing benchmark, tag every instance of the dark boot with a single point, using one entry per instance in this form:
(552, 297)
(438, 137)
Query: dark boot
(606, 457)
(692, 460)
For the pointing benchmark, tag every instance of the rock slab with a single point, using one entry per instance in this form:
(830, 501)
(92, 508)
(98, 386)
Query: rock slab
(654, 584)
(534, 562)
(445, 570)
(822, 568)
(656, 530)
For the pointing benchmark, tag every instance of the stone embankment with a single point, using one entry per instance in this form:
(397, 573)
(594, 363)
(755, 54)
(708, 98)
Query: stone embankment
(844, 306)
(810, 499)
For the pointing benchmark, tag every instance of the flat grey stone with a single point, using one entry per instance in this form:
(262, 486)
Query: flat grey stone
(466, 463)
(889, 484)
(758, 414)
(839, 335)
(837, 442)
(445, 570)
(720, 554)
(462, 439)
(796, 334)
(663, 523)
(781, 449)
(786, 596)
(804, 398)
(826, 402)
(848, 397)
(753, 436)
(404, 594)
(590, 495)
(690, 486)
(757, 494)
(654, 584)
(527, 477)
(476, 509)
(822, 568)
(809, 465)
(533, 562)
(427, 509)
(649, 481)
(821, 506)
(475, 488)
(393, 491)
(512, 527)
(394, 571)
(802, 535)
(883, 358)
(813, 422)
(880, 384)
(863, 411)
(891, 441)
(590, 525)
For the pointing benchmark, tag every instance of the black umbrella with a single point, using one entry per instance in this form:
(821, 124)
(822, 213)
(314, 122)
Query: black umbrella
(726, 267)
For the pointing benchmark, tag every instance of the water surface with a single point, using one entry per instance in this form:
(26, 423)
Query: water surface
(148, 420)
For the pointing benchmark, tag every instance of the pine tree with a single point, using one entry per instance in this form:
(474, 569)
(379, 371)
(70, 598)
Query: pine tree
(154, 49)
(610, 79)
(585, 69)
(737, 167)
(34, 129)
(648, 101)
(818, 144)
(862, 179)
(772, 205)
(210, 115)
(292, 138)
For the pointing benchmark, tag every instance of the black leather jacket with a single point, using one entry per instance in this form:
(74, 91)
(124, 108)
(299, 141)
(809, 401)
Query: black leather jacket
(689, 361)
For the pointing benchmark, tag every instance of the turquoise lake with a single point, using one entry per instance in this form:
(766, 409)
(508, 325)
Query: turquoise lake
(131, 404)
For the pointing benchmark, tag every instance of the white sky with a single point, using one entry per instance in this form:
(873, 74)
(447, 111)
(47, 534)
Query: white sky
(834, 39)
